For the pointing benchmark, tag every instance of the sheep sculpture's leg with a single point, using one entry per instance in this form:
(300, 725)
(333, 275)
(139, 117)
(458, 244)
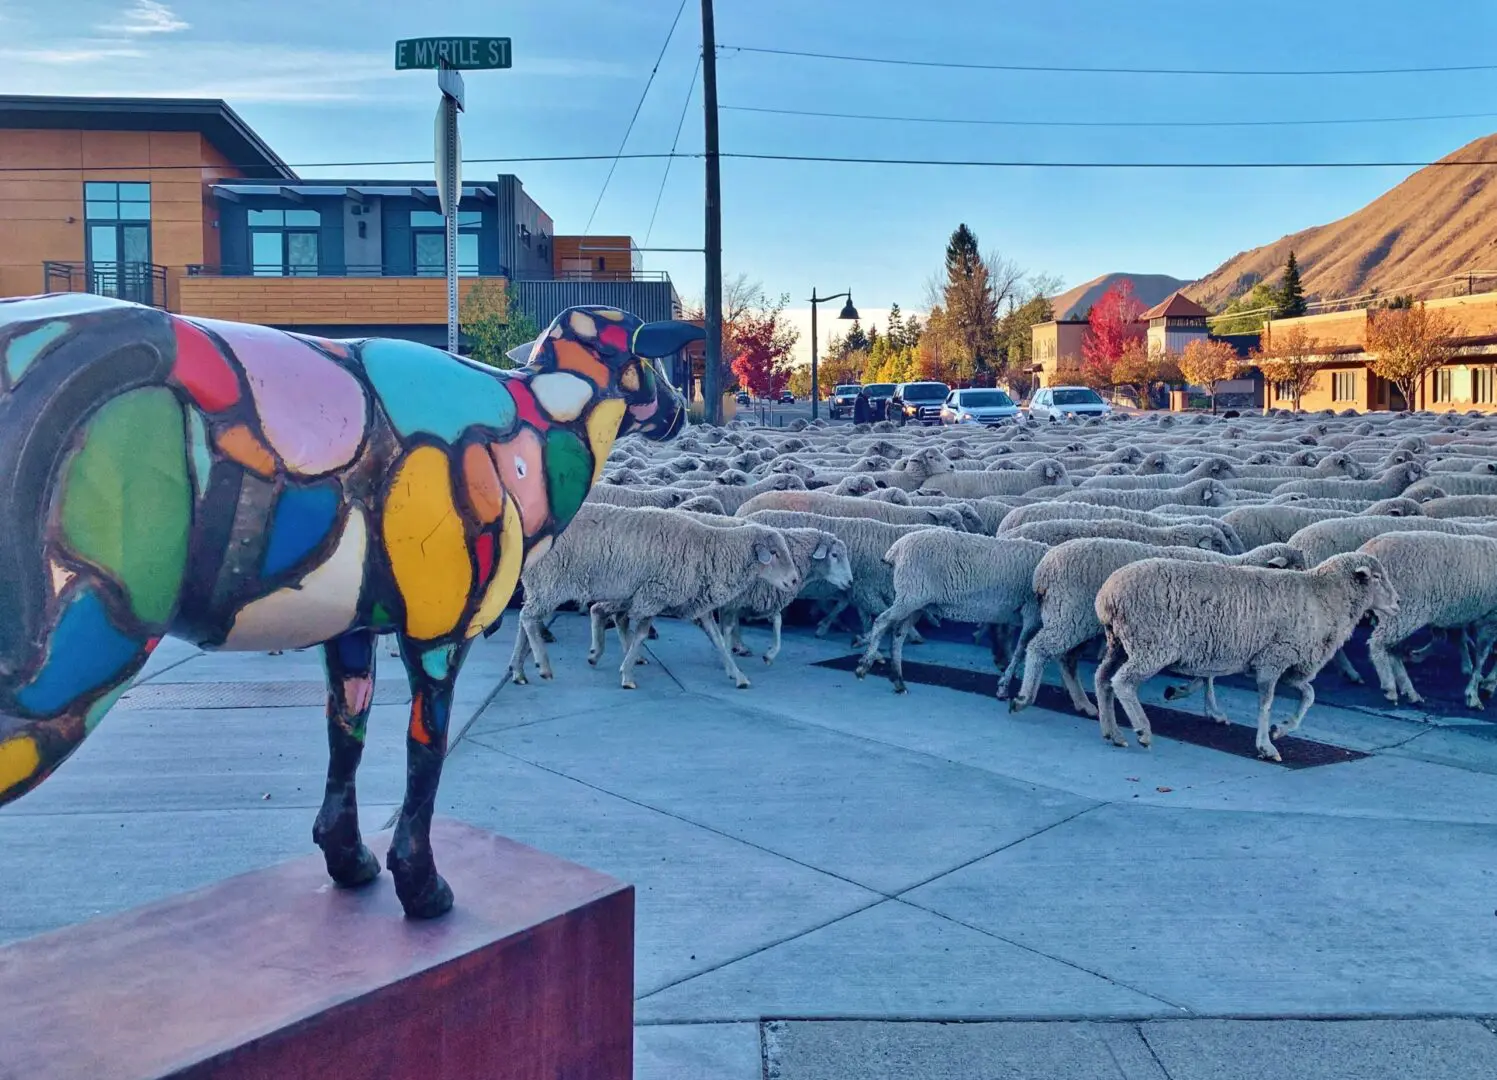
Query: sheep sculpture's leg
(1300, 682)
(708, 623)
(1267, 680)
(432, 674)
(349, 663)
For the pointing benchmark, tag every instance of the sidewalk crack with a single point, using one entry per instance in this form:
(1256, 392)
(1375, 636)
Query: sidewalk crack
(1152, 1053)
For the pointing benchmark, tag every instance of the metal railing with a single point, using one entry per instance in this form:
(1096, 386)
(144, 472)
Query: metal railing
(372, 270)
(138, 282)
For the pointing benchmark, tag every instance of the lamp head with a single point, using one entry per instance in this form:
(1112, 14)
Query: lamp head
(848, 311)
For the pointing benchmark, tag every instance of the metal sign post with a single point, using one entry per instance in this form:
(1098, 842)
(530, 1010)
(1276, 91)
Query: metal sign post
(450, 56)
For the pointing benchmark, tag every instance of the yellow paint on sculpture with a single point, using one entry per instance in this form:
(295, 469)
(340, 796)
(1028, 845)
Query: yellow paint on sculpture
(506, 576)
(602, 429)
(425, 542)
(19, 760)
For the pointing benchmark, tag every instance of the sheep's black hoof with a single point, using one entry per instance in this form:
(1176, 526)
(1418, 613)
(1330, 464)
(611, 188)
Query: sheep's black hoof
(1171, 693)
(547, 636)
(900, 688)
(861, 671)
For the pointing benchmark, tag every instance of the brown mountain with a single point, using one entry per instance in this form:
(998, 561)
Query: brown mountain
(1440, 221)
(1074, 303)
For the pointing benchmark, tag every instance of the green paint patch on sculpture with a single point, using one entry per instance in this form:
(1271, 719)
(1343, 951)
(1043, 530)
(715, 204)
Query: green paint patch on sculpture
(569, 471)
(25, 348)
(380, 618)
(127, 499)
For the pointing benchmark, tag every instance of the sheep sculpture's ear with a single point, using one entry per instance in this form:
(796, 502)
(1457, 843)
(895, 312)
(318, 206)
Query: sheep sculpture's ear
(763, 554)
(665, 338)
(820, 552)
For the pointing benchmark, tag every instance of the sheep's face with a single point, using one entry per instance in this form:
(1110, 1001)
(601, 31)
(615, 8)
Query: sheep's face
(772, 561)
(1346, 465)
(830, 562)
(1371, 580)
(1214, 493)
(617, 354)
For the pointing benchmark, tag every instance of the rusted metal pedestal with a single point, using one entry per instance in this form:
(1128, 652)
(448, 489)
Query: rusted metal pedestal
(278, 975)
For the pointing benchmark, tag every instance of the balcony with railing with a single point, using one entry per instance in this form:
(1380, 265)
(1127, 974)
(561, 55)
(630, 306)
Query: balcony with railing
(138, 282)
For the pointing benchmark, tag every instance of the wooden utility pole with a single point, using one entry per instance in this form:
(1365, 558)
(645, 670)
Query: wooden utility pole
(713, 302)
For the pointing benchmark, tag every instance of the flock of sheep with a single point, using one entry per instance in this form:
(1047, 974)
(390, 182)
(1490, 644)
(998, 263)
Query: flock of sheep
(1191, 545)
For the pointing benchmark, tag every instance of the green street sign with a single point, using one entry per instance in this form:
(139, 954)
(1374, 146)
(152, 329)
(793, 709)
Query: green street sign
(464, 53)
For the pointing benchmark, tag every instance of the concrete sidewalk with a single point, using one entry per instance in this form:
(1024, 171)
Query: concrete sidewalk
(836, 881)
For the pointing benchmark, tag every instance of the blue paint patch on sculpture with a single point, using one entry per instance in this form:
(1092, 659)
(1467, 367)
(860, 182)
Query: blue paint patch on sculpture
(24, 348)
(86, 651)
(423, 390)
(303, 518)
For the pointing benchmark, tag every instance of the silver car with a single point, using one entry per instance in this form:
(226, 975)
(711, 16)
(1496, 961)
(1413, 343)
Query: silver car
(977, 406)
(1063, 402)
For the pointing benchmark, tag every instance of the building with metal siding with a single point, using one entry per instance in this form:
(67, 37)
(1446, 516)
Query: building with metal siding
(650, 300)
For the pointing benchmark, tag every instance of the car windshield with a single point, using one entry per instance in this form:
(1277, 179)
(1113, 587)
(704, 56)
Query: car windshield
(847, 390)
(984, 399)
(926, 391)
(879, 389)
(1076, 397)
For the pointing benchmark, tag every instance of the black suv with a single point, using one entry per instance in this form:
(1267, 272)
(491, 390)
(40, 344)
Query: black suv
(879, 394)
(918, 402)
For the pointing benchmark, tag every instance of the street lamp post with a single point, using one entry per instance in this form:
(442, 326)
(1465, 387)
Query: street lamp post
(848, 312)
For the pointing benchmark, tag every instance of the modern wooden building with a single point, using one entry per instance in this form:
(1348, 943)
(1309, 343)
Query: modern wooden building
(179, 204)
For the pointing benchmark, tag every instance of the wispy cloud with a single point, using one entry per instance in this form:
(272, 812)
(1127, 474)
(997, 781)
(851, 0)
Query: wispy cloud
(83, 52)
(147, 17)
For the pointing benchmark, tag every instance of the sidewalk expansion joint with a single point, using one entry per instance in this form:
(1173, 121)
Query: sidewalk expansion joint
(1150, 1047)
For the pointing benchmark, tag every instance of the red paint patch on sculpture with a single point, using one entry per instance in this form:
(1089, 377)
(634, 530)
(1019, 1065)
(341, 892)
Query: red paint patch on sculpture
(202, 370)
(483, 550)
(526, 406)
(616, 337)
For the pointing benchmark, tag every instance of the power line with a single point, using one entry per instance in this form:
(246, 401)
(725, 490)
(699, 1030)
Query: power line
(681, 123)
(1079, 70)
(1103, 123)
(638, 105)
(282, 181)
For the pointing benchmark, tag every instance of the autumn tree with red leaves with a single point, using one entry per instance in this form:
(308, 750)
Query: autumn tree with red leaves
(1112, 323)
(760, 341)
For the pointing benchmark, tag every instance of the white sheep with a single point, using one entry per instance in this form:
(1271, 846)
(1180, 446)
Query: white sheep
(1078, 511)
(1384, 486)
(821, 502)
(642, 563)
(959, 576)
(1206, 620)
(1214, 468)
(1444, 582)
(975, 485)
(1066, 582)
(1204, 534)
(819, 557)
(1201, 492)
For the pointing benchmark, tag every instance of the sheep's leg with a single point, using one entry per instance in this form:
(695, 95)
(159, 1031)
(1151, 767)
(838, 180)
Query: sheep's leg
(621, 624)
(636, 642)
(1469, 659)
(896, 654)
(733, 632)
(1125, 683)
(1382, 662)
(1072, 680)
(1486, 634)
(1027, 632)
(1213, 710)
(517, 656)
(1106, 712)
(864, 624)
(349, 663)
(708, 623)
(996, 639)
(1035, 658)
(830, 619)
(1266, 683)
(775, 622)
(1436, 637)
(1300, 682)
(597, 615)
(1344, 666)
(881, 627)
(914, 636)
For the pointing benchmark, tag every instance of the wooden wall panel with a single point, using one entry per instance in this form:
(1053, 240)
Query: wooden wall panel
(344, 301)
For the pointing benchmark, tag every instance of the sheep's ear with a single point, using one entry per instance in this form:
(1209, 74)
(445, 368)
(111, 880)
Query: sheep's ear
(764, 553)
(1363, 574)
(1278, 562)
(820, 552)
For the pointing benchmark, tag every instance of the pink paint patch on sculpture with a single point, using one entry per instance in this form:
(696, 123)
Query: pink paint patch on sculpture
(645, 411)
(358, 692)
(311, 410)
(521, 462)
(616, 337)
(525, 404)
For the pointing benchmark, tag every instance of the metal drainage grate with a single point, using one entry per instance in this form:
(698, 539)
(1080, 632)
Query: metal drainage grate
(1175, 724)
(246, 695)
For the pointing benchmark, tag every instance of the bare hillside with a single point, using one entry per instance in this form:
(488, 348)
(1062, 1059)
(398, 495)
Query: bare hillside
(1442, 220)
(1150, 288)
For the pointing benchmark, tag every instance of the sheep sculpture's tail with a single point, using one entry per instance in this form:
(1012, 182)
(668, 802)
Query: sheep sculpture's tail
(96, 499)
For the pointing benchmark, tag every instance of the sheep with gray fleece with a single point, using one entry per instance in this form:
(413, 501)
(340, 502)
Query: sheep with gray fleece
(1415, 500)
(1066, 583)
(659, 497)
(909, 473)
(1217, 468)
(1386, 485)
(897, 496)
(1462, 506)
(1455, 483)
(1206, 620)
(1203, 534)
(703, 504)
(975, 485)
(732, 496)
(1258, 525)
(1444, 582)
(867, 540)
(642, 563)
(820, 558)
(821, 502)
(1076, 511)
(960, 576)
(1199, 492)
(1326, 538)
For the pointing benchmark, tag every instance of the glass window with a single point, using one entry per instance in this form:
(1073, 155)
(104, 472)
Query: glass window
(429, 242)
(925, 391)
(1441, 385)
(301, 254)
(265, 253)
(1076, 397)
(283, 243)
(1483, 386)
(106, 200)
(985, 399)
(432, 219)
(1343, 386)
(431, 254)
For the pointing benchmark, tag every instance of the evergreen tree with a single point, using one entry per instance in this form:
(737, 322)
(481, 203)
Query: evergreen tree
(971, 305)
(1291, 293)
(856, 339)
(873, 338)
(895, 330)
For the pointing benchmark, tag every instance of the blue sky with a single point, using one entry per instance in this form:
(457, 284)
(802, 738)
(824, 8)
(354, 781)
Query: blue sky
(316, 79)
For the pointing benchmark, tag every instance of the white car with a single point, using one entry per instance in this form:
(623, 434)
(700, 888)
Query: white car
(1063, 402)
(978, 406)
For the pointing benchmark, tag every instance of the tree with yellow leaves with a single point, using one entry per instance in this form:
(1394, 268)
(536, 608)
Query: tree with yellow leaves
(1206, 362)
(1404, 345)
(1290, 358)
